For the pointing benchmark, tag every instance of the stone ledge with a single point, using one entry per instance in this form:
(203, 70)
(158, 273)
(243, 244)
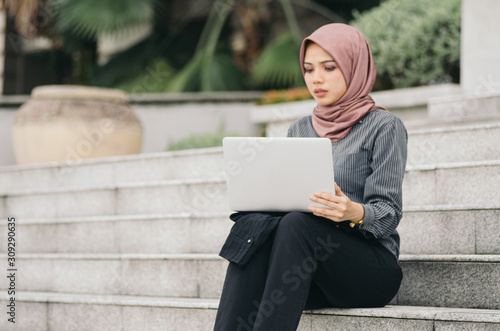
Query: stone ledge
(120, 257)
(111, 187)
(122, 300)
(413, 96)
(440, 208)
(195, 97)
(475, 258)
(390, 311)
(219, 180)
(416, 312)
(175, 182)
(455, 165)
(444, 258)
(216, 215)
(455, 128)
(14, 101)
(464, 106)
(127, 218)
(113, 159)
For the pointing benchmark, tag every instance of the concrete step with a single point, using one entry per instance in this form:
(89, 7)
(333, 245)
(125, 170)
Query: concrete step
(423, 230)
(173, 196)
(476, 183)
(56, 311)
(450, 229)
(464, 281)
(146, 234)
(176, 275)
(457, 143)
(188, 164)
(46, 311)
(453, 143)
(468, 281)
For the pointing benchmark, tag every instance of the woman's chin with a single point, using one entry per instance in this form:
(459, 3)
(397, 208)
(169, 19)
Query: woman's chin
(322, 102)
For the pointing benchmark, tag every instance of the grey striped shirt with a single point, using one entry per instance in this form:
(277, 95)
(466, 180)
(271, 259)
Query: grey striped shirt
(369, 166)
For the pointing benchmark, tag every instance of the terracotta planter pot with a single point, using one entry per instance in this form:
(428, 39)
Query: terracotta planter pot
(70, 123)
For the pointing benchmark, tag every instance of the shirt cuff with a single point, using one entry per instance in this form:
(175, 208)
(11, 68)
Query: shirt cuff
(368, 218)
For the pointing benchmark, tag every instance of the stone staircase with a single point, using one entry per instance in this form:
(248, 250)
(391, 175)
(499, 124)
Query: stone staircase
(131, 243)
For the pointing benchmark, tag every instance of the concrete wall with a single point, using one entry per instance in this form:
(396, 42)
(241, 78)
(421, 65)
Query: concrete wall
(480, 47)
(3, 25)
(479, 69)
(6, 152)
(165, 118)
(165, 123)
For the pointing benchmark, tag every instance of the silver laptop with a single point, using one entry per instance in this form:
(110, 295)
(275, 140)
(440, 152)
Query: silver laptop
(276, 174)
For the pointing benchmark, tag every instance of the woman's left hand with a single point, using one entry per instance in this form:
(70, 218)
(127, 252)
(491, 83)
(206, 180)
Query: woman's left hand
(340, 207)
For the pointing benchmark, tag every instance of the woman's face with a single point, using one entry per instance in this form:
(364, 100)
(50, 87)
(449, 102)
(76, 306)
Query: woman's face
(323, 77)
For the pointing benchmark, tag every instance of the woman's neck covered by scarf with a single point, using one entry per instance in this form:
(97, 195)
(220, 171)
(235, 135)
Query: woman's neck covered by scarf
(351, 52)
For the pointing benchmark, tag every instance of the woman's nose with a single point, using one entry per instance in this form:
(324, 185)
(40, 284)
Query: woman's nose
(317, 77)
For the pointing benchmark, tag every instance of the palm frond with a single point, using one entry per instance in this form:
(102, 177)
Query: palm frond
(154, 79)
(89, 18)
(208, 73)
(278, 64)
(189, 78)
(223, 75)
(321, 10)
(291, 19)
(209, 70)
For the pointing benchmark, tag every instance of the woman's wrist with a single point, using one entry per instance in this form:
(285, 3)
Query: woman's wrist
(359, 212)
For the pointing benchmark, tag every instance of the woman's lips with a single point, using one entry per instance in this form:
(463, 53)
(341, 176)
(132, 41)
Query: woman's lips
(320, 93)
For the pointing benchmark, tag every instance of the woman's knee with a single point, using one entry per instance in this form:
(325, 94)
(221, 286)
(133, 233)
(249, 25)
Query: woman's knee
(293, 223)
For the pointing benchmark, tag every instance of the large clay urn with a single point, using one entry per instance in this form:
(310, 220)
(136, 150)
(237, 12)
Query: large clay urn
(70, 123)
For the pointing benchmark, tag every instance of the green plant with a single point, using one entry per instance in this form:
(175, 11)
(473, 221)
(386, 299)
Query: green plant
(74, 25)
(136, 59)
(208, 70)
(154, 79)
(202, 140)
(90, 18)
(278, 65)
(413, 42)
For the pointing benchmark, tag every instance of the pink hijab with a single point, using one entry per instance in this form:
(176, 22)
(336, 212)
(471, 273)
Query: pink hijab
(351, 52)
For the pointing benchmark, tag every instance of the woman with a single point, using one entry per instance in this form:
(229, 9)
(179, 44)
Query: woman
(342, 255)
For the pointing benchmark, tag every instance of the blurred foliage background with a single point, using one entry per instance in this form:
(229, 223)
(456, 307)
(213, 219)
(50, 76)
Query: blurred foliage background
(224, 45)
(413, 42)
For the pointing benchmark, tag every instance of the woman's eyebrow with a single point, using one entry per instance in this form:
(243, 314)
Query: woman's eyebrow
(325, 61)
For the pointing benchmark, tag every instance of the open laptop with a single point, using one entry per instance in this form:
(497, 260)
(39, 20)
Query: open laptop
(276, 174)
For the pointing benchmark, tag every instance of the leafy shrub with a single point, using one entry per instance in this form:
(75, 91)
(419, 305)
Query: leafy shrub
(202, 140)
(413, 42)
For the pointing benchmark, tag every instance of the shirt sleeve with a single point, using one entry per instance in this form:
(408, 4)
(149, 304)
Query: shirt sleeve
(383, 194)
(292, 130)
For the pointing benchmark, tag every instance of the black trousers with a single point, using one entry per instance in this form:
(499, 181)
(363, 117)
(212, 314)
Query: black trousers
(308, 262)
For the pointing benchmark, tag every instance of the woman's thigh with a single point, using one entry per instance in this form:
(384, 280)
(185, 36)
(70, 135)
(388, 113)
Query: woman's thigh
(348, 269)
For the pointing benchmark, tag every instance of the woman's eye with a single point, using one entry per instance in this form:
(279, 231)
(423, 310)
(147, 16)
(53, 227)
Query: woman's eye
(330, 68)
(308, 70)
